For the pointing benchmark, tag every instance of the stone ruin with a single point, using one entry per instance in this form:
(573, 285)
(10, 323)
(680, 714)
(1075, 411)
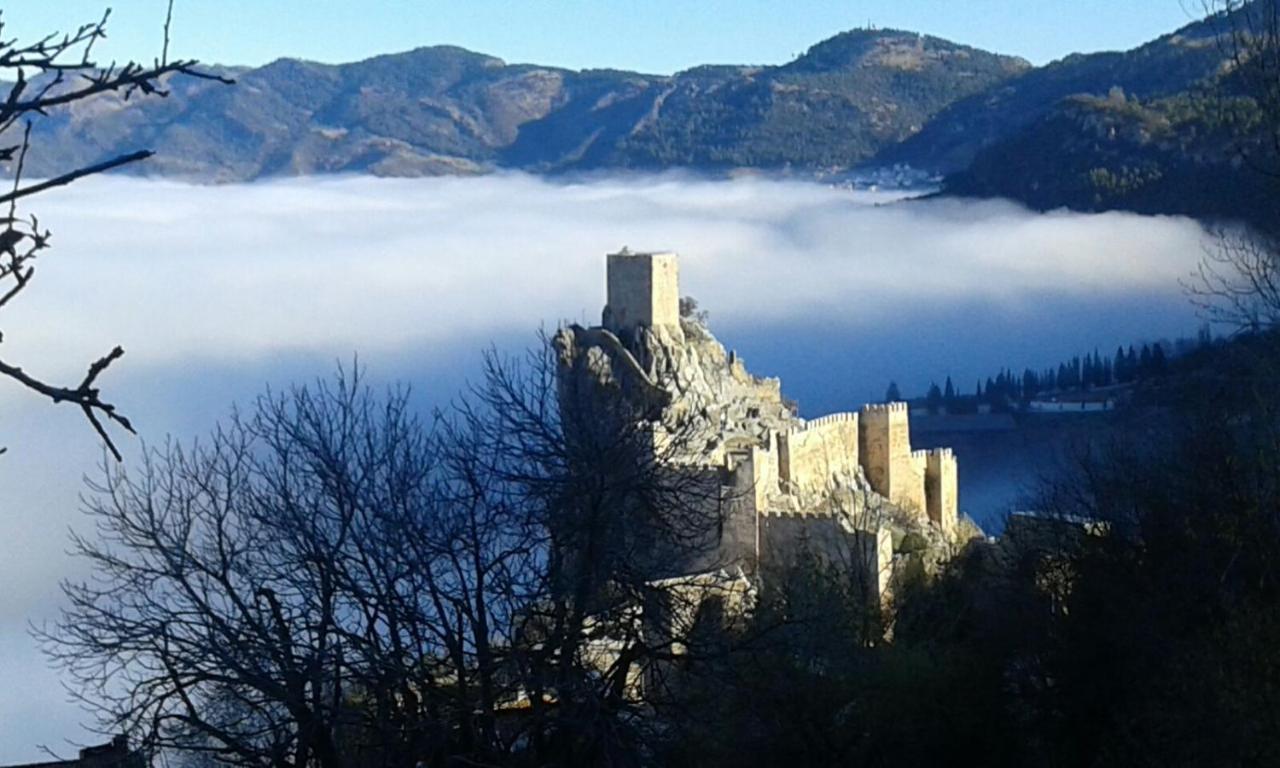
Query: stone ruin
(846, 487)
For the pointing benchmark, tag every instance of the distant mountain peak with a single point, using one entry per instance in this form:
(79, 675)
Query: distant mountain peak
(891, 49)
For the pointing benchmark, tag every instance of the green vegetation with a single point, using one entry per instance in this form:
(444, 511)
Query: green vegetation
(837, 105)
(1146, 130)
(1166, 66)
(447, 110)
(1181, 154)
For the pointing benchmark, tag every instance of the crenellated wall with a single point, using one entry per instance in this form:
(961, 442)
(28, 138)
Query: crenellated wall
(812, 457)
(942, 489)
(783, 489)
(884, 443)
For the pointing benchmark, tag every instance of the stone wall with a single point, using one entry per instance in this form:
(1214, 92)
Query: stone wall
(886, 456)
(754, 477)
(643, 290)
(784, 537)
(942, 489)
(764, 468)
(809, 457)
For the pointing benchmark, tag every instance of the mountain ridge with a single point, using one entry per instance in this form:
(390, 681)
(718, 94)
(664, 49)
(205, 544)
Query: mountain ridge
(993, 124)
(445, 109)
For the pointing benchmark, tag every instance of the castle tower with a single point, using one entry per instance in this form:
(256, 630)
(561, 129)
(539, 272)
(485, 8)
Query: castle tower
(643, 290)
(884, 450)
(941, 488)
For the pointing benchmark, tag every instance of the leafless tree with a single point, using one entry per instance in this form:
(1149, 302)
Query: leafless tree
(260, 597)
(624, 516)
(1238, 280)
(47, 74)
(325, 581)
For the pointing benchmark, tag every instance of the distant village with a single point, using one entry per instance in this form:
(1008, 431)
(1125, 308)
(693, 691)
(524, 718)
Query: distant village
(1085, 384)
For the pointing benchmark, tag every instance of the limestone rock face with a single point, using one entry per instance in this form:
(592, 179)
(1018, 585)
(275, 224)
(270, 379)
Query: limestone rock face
(697, 383)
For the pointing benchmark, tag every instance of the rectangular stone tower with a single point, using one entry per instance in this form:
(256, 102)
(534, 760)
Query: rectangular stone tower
(643, 290)
(942, 488)
(884, 450)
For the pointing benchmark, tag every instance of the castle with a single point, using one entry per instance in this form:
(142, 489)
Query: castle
(847, 487)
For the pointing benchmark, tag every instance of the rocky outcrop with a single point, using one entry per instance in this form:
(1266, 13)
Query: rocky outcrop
(689, 388)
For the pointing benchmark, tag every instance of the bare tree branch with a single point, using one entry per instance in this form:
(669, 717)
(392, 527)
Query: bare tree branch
(67, 178)
(66, 73)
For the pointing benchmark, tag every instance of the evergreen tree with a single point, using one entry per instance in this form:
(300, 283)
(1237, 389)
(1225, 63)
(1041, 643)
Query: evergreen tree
(1120, 368)
(1030, 385)
(1158, 361)
(892, 395)
(934, 398)
(949, 394)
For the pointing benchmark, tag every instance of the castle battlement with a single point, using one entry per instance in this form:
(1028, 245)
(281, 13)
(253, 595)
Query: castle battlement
(796, 513)
(813, 456)
(885, 408)
(833, 418)
(784, 478)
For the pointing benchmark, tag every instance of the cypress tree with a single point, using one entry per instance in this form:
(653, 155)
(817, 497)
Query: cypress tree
(934, 398)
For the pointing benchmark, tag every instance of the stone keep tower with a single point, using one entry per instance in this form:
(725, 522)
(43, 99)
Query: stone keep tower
(884, 450)
(643, 290)
(941, 488)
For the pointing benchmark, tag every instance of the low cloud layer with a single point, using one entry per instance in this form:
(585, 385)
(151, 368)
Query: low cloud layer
(214, 291)
(229, 271)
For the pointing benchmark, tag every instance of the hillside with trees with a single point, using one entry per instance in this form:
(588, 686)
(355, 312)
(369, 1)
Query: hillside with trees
(1142, 130)
(1182, 154)
(1163, 67)
(1205, 149)
(446, 110)
(1092, 376)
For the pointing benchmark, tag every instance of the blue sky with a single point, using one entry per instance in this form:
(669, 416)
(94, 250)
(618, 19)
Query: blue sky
(659, 36)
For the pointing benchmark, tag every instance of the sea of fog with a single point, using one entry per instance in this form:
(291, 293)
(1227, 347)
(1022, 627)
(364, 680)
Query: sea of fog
(217, 292)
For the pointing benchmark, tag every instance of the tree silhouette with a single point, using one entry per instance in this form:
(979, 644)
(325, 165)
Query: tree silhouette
(47, 76)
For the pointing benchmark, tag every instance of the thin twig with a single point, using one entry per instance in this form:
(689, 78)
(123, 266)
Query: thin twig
(168, 18)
